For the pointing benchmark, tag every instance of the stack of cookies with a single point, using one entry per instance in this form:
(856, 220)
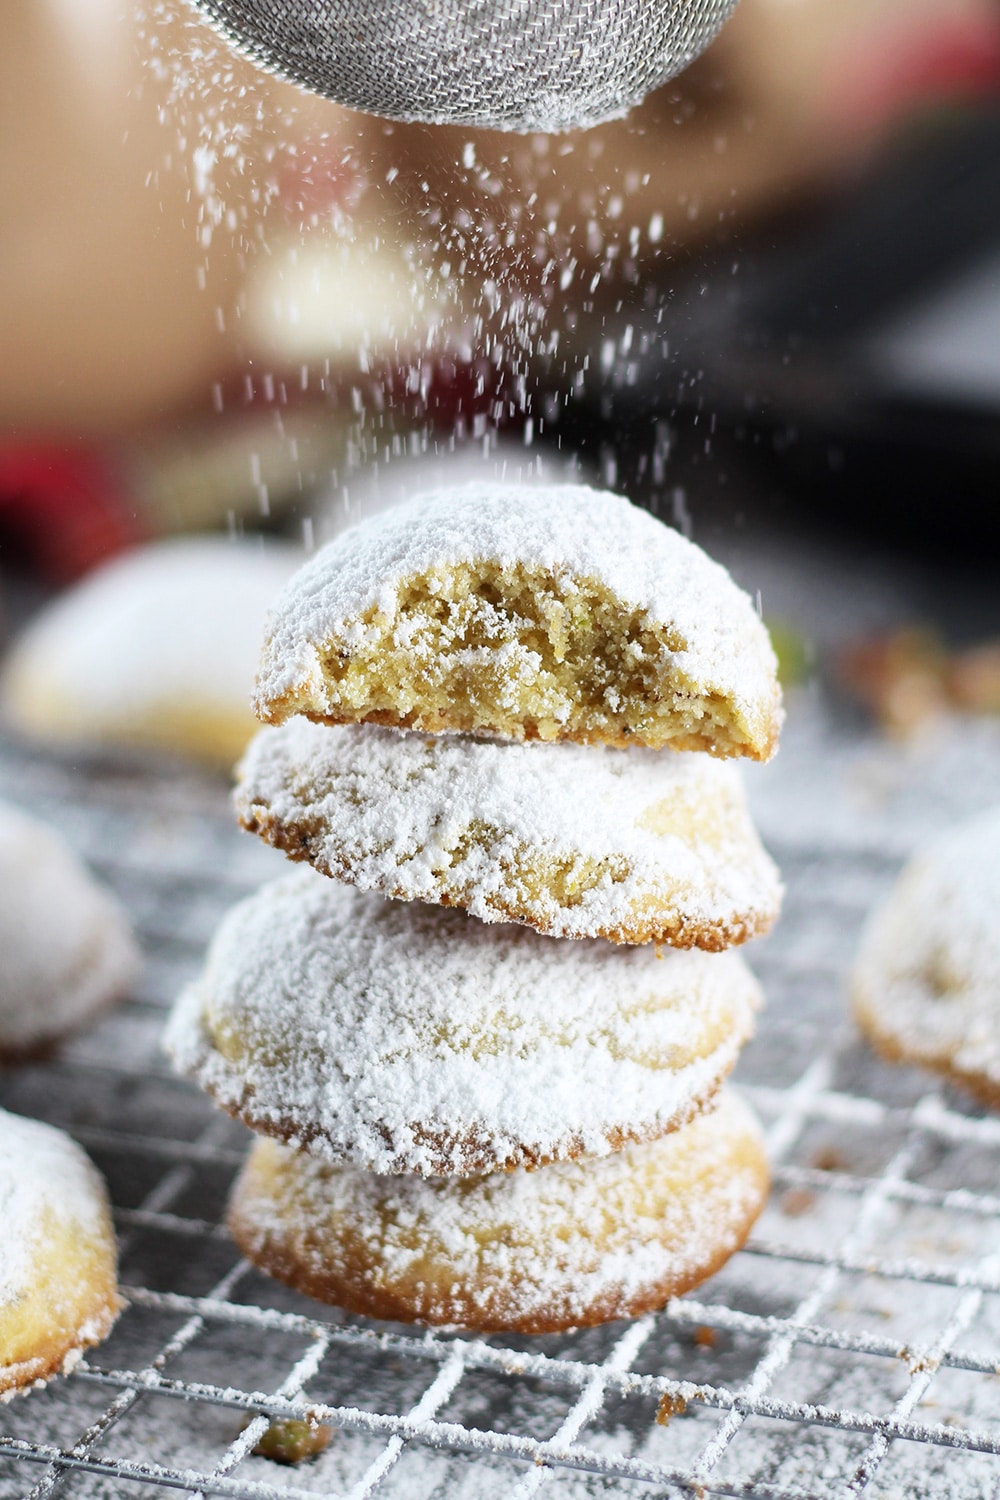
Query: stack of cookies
(485, 1057)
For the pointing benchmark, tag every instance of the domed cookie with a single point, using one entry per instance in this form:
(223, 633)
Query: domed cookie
(66, 946)
(155, 649)
(571, 1244)
(576, 841)
(531, 612)
(926, 983)
(58, 1286)
(409, 1038)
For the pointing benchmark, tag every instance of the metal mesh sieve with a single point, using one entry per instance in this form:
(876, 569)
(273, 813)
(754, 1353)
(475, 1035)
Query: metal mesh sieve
(501, 64)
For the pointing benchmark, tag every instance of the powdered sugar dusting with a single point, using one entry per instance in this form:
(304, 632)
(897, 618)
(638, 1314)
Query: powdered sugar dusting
(928, 973)
(656, 844)
(41, 1170)
(167, 630)
(555, 1243)
(414, 1039)
(66, 947)
(565, 530)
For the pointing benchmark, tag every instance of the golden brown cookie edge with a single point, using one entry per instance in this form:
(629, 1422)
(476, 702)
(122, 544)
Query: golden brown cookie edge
(443, 1150)
(302, 842)
(56, 1354)
(352, 1291)
(888, 1046)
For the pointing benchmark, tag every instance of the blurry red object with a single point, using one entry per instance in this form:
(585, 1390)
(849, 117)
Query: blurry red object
(63, 510)
(897, 70)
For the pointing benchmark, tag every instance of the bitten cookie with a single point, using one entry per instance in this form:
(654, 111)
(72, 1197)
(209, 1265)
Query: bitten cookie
(66, 945)
(58, 1286)
(530, 612)
(410, 1038)
(571, 1244)
(156, 649)
(926, 984)
(576, 841)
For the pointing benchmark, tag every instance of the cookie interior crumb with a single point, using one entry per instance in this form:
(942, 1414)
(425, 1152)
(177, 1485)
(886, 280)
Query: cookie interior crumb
(517, 651)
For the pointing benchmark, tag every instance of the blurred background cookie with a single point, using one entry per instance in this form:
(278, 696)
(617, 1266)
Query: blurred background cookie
(155, 649)
(66, 945)
(58, 1278)
(926, 984)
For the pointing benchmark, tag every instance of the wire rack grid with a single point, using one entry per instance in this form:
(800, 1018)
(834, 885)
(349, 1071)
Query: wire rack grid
(852, 1347)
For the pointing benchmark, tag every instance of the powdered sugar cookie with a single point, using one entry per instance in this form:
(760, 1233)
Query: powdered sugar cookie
(532, 612)
(58, 1290)
(573, 1243)
(576, 841)
(156, 649)
(409, 1038)
(66, 946)
(926, 985)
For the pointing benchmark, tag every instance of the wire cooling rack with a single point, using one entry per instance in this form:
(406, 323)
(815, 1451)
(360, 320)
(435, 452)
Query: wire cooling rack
(853, 1345)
